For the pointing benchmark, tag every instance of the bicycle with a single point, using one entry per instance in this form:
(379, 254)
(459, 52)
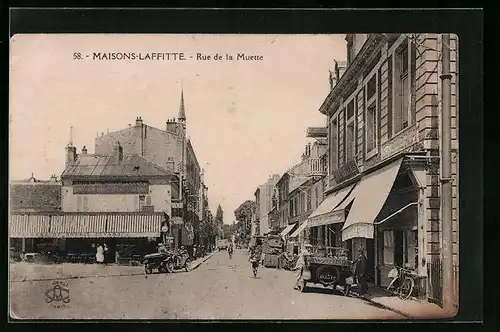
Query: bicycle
(402, 283)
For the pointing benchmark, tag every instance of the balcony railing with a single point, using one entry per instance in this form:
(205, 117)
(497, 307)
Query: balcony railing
(316, 167)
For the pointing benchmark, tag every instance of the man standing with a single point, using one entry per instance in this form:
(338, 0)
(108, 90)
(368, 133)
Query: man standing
(301, 263)
(360, 271)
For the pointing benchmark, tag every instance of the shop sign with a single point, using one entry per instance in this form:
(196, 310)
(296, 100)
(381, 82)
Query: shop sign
(346, 171)
(398, 143)
(327, 218)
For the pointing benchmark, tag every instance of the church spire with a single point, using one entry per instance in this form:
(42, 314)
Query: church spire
(182, 111)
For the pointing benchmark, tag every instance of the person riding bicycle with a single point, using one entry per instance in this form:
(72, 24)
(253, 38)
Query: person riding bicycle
(256, 254)
(230, 249)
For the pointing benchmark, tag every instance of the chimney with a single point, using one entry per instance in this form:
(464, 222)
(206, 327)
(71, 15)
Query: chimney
(138, 121)
(118, 151)
(70, 154)
(53, 178)
(84, 150)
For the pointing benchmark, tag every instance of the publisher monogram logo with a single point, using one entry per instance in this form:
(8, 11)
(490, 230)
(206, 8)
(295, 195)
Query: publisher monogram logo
(58, 294)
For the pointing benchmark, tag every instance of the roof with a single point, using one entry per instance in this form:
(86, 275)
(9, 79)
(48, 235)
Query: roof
(35, 196)
(296, 182)
(88, 165)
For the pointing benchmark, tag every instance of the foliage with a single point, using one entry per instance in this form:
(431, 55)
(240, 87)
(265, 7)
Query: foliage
(243, 215)
(208, 233)
(244, 211)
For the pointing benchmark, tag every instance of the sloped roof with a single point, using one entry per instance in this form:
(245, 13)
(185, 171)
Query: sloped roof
(296, 182)
(110, 166)
(35, 196)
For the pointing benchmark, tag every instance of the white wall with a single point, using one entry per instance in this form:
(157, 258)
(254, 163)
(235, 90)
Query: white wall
(160, 199)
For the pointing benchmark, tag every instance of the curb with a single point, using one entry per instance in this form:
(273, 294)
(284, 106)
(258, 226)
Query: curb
(105, 275)
(82, 277)
(383, 306)
(204, 260)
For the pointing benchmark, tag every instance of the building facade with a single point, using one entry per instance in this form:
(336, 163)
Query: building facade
(170, 149)
(383, 184)
(264, 204)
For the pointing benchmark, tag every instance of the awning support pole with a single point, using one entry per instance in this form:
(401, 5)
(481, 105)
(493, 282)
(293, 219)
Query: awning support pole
(395, 213)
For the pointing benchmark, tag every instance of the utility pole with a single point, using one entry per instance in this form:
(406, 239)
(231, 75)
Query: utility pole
(446, 184)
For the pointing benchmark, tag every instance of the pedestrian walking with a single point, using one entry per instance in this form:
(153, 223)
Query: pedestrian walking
(360, 270)
(99, 256)
(301, 263)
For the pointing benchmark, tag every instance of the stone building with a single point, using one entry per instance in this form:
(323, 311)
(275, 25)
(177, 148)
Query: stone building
(171, 149)
(263, 199)
(383, 187)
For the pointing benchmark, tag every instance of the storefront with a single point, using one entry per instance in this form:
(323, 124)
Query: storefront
(80, 232)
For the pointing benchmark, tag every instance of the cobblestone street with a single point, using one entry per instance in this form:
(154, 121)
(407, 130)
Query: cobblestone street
(220, 288)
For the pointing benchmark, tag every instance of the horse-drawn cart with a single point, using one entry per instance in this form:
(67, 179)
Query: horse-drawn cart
(328, 266)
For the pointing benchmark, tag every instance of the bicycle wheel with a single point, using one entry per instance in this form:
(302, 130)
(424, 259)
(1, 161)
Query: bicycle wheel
(407, 288)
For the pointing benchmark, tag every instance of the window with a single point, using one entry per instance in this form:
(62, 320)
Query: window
(85, 203)
(402, 88)
(292, 207)
(371, 127)
(333, 145)
(148, 200)
(350, 137)
(142, 202)
(388, 247)
(308, 200)
(302, 202)
(79, 203)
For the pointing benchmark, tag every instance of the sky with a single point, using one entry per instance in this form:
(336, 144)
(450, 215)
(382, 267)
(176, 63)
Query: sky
(246, 119)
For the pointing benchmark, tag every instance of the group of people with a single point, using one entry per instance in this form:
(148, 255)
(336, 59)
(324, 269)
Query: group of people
(102, 254)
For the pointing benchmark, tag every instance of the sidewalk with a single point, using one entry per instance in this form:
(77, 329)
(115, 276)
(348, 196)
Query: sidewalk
(411, 308)
(23, 272)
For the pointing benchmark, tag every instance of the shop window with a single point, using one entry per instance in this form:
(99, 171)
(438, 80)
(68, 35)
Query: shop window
(389, 246)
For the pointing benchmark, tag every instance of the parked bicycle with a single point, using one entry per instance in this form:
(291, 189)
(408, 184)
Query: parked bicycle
(402, 283)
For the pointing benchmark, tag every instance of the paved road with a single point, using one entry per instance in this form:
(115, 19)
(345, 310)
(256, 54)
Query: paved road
(221, 288)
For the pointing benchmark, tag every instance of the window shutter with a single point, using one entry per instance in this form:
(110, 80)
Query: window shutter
(148, 200)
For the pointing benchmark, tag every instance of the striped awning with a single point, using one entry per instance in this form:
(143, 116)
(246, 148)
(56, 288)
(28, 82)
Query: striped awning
(29, 226)
(82, 225)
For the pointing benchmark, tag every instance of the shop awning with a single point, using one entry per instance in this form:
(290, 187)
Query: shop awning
(329, 212)
(86, 225)
(369, 196)
(300, 229)
(287, 230)
(29, 226)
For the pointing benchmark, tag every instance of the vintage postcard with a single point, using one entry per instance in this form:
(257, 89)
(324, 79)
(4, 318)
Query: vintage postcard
(214, 176)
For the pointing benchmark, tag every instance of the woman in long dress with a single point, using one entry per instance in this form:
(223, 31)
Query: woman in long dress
(99, 256)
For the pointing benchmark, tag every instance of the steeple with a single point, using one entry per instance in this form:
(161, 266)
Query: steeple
(182, 111)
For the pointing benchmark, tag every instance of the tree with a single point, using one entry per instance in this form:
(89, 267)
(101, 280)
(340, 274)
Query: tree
(243, 215)
(207, 234)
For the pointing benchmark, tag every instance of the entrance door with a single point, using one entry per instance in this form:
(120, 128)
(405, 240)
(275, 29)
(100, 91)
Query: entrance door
(398, 248)
(370, 259)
